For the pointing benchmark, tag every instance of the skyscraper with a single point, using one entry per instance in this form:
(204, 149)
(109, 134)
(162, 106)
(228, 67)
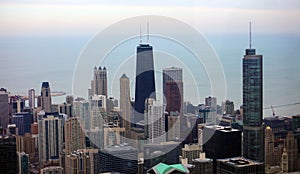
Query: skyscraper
(228, 107)
(4, 108)
(46, 97)
(78, 162)
(8, 154)
(98, 111)
(221, 142)
(82, 111)
(145, 80)
(253, 132)
(50, 140)
(74, 135)
(155, 122)
(190, 152)
(214, 138)
(23, 162)
(23, 122)
(31, 98)
(291, 146)
(173, 89)
(99, 83)
(120, 158)
(125, 101)
(211, 103)
(273, 153)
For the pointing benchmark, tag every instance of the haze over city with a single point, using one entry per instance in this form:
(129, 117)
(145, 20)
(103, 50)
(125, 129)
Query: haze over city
(139, 86)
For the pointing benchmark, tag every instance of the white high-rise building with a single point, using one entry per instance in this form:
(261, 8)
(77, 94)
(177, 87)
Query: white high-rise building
(98, 111)
(98, 101)
(82, 111)
(31, 98)
(50, 138)
(155, 121)
(211, 103)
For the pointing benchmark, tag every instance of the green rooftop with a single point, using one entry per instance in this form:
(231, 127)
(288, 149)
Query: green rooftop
(162, 168)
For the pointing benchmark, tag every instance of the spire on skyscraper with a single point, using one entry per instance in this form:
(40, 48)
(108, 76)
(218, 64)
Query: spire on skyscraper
(250, 34)
(141, 33)
(250, 50)
(147, 31)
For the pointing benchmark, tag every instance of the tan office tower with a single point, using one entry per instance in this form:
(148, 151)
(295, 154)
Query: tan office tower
(74, 135)
(269, 148)
(125, 102)
(46, 97)
(190, 152)
(273, 154)
(290, 144)
(29, 144)
(78, 162)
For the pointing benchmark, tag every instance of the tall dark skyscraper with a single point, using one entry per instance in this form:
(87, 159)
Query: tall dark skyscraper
(145, 81)
(253, 132)
(4, 108)
(8, 154)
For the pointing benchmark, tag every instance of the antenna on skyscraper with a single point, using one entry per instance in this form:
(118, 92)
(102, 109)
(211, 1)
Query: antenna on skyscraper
(140, 33)
(147, 31)
(250, 33)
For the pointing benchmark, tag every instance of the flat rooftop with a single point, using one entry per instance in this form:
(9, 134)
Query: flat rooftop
(239, 162)
(222, 128)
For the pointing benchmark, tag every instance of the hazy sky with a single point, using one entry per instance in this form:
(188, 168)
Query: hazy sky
(56, 17)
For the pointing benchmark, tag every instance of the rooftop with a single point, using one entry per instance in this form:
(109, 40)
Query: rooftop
(222, 128)
(162, 168)
(239, 162)
(121, 147)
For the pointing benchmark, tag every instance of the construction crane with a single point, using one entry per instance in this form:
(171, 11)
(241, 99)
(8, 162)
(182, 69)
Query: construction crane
(279, 106)
(273, 111)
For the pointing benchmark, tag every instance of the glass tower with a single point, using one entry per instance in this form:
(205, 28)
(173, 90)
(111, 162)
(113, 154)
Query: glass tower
(145, 80)
(253, 132)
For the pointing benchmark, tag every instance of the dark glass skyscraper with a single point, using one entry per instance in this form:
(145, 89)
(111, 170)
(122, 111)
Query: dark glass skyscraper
(253, 132)
(145, 80)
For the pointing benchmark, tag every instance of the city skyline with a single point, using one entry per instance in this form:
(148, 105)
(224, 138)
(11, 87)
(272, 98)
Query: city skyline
(149, 87)
(107, 134)
(229, 19)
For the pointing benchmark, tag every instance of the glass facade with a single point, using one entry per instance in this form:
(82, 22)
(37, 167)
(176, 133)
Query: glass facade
(145, 81)
(253, 134)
